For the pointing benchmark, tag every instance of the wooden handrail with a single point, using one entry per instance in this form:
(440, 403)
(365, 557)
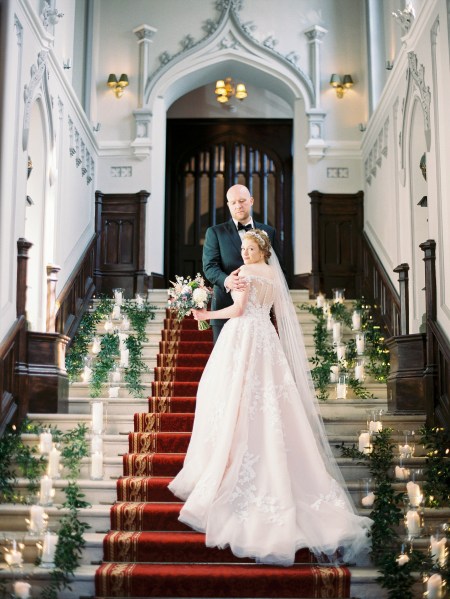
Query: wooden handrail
(5, 344)
(65, 291)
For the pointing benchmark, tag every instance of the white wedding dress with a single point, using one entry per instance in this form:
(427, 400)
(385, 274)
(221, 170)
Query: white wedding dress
(254, 478)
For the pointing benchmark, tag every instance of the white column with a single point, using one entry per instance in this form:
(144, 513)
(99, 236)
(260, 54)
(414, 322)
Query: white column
(375, 51)
(145, 34)
(315, 35)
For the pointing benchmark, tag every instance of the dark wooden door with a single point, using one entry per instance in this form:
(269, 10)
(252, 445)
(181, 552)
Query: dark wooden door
(206, 157)
(337, 224)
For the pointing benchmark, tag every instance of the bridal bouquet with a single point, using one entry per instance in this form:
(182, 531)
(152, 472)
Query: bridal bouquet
(188, 293)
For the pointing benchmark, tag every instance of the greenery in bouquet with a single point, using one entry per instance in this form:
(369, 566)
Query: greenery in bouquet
(187, 294)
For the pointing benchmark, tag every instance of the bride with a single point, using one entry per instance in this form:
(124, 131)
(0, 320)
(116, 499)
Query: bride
(259, 476)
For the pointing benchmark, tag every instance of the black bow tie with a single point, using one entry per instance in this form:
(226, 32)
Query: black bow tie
(242, 227)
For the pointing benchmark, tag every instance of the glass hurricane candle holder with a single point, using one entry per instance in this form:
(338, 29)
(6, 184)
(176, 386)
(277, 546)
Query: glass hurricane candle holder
(97, 466)
(438, 548)
(359, 370)
(413, 519)
(96, 345)
(340, 349)
(38, 521)
(415, 495)
(45, 442)
(118, 293)
(407, 446)
(374, 423)
(13, 554)
(115, 375)
(400, 472)
(116, 314)
(360, 344)
(337, 332)
(139, 300)
(341, 387)
(364, 444)
(98, 416)
(334, 373)
(54, 465)
(356, 320)
(338, 296)
(49, 543)
(46, 492)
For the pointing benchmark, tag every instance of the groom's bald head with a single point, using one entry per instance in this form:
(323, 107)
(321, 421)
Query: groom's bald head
(240, 202)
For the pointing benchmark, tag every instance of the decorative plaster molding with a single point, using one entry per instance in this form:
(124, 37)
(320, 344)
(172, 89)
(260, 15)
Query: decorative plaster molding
(405, 18)
(144, 33)
(50, 16)
(316, 146)
(418, 75)
(19, 30)
(121, 171)
(37, 72)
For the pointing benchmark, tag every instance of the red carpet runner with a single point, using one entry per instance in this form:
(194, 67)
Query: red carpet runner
(148, 552)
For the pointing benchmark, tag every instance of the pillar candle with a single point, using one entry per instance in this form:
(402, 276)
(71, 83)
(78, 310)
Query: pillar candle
(115, 376)
(340, 350)
(434, 586)
(401, 473)
(413, 522)
(364, 442)
(125, 324)
(53, 462)
(96, 345)
(402, 559)
(122, 341)
(37, 519)
(334, 373)
(437, 547)
(22, 589)
(97, 416)
(113, 392)
(341, 390)
(360, 345)
(97, 444)
(375, 426)
(359, 372)
(118, 296)
(14, 556)
(140, 300)
(330, 323)
(49, 547)
(405, 450)
(336, 332)
(116, 312)
(108, 326)
(97, 466)
(124, 358)
(356, 321)
(45, 497)
(368, 500)
(320, 299)
(45, 442)
(414, 493)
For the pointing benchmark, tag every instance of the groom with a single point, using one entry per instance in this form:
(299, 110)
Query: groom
(222, 250)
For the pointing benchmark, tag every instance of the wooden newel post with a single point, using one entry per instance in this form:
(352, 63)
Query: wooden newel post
(52, 280)
(403, 279)
(22, 263)
(429, 249)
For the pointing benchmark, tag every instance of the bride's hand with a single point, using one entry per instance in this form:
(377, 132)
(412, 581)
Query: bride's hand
(200, 314)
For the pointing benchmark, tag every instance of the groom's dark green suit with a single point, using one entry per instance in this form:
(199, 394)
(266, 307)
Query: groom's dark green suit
(221, 256)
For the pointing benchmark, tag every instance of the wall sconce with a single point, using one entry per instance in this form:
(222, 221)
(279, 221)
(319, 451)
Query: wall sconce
(226, 89)
(67, 64)
(117, 86)
(341, 85)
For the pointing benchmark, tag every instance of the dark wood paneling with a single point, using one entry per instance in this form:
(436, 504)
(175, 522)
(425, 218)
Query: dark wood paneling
(13, 370)
(73, 300)
(379, 290)
(406, 389)
(120, 248)
(337, 222)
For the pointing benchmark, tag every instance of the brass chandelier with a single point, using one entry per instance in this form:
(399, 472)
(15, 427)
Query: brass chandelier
(227, 89)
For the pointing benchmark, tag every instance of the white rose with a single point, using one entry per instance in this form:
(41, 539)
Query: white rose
(199, 296)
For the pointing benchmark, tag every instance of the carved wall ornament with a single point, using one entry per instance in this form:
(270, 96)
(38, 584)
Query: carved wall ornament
(418, 75)
(270, 42)
(72, 149)
(165, 58)
(19, 30)
(49, 15)
(229, 41)
(36, 77)
(405, 17)
(187, 42)
(209, 26)
(385, 137)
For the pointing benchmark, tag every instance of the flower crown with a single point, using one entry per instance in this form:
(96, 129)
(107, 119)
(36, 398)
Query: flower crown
(259, 237)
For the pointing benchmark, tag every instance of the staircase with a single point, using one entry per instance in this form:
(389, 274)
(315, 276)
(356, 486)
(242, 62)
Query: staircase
(128, 434)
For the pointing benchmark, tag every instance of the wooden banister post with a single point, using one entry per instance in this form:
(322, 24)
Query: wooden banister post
(52, 279)
(22, 263)
(429, 249)
(403, 279)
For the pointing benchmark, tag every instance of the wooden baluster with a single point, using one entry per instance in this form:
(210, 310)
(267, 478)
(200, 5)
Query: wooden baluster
(22, 263)
(403, 279)
(52, 279)
(430, 374)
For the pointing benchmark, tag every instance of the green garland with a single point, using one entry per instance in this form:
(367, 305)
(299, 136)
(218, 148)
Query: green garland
(377, 363)
(104, 362)
(437, 472)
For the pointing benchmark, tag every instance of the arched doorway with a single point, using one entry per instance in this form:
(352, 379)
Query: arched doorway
(206, 157)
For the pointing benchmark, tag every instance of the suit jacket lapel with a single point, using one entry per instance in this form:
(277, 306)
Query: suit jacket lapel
(235, 237)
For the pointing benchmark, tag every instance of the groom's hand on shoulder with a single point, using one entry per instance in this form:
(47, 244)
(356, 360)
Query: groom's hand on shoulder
(235, 283)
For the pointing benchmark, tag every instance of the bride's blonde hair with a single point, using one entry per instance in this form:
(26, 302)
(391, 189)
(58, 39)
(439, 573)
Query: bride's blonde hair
(262, 239)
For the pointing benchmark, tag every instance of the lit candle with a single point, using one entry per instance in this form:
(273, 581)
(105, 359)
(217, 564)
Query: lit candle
(14, 557)
(437, 550)
(375, 426)
(413, 522)
(38, 519)
(46, 491)
(359, 372)
(364, 442)
(96, 345)
(97, 466)
(340, 350)
(368, 500)
(45, 442)
(360, 345)
(402, 559)
(414, 493)
(124, 358)
(118, 296)
(53, 462)
(97, 416)
(434, 587)
(401, 473)
(356, 320)
(341, 390)
(405, 450)
(108, 326)
(116, 312)
(320, 299)
(113, 392)
(49, 547)
(22, 589)
(330, 322)
(336, 332)
(140, 300)
(97, 444)
(334, 372)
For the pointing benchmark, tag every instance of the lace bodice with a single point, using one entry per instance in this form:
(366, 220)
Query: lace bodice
(260, 298)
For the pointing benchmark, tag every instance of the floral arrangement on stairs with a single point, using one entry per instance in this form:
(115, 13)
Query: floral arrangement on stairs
(346, 363)
(396, 558)
(60, 552)
(117, 349)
